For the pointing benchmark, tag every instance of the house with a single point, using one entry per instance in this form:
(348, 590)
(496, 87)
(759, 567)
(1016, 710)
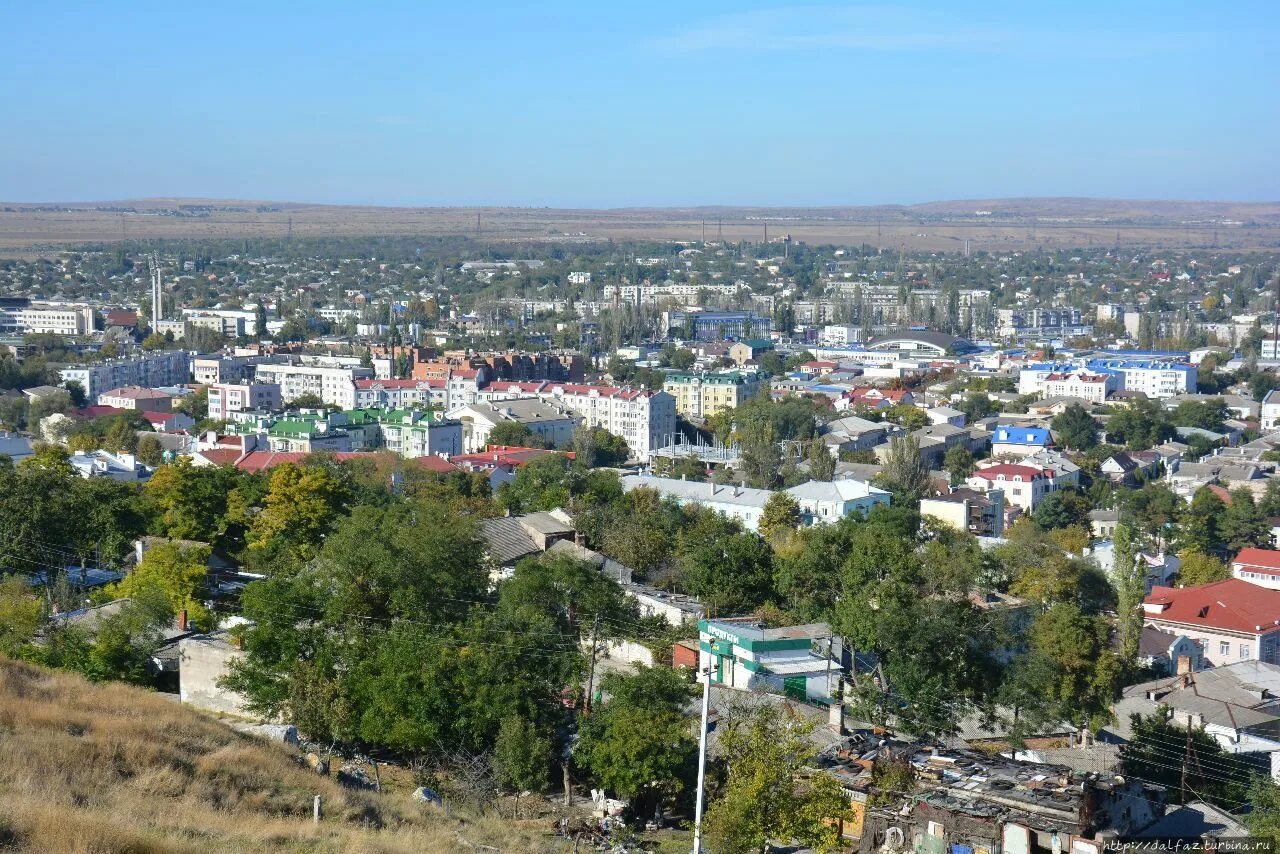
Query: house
(553, 424)
(1162, 651)
(1232, 620)
(1102, 523)
(1064, 473)
(169, 422)
(511, 539)
(1024, 487)
(203, 660)
(1129, 467)
(945, 415)
(121, 467)
(741, 653)
(852, 433)
(749, 350)
(823, 502)
(1270, 419)
(16, 447)
(136, 398)
(1258, 566)
(1008, 440)
(981, 514)
(737, 502)
(1238, 704)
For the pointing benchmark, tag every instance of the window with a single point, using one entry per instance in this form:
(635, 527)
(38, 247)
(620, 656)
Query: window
(1224, 648)
(1244, 650)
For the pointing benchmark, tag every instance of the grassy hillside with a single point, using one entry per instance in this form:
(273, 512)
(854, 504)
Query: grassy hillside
(111, 768)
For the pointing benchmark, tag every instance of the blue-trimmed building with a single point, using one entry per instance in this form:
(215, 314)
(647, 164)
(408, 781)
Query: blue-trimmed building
(1011, 440)
(718, 325)
(792, 660)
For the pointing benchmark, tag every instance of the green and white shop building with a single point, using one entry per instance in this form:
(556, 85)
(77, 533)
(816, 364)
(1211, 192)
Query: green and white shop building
(791, 660)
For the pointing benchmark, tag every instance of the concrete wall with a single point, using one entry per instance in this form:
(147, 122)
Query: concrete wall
(202, 661)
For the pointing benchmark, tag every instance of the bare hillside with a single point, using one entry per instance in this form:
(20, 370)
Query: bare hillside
(111, 768)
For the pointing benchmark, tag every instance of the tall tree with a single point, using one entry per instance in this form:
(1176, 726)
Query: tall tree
(1130, 582)
(822, 465)
(904, 472)
(1075, 428)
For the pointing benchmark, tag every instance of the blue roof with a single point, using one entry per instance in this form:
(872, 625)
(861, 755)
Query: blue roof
(1140, 364)
(1008, 434)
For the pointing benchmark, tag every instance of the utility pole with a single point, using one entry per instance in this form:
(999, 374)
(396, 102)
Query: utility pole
(766, 235)
(702, 760)
(704, 232)
(477, 225)
(290, 228)
(591, 673)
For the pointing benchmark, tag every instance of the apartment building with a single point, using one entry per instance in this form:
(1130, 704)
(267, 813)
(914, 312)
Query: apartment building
(334, 385)
(228, 398)
(554, 424)
(222, 368)
(1231, 620)
(19, 316)
(402, 394)
(1040, 323)
(164, 367)
(700, 396)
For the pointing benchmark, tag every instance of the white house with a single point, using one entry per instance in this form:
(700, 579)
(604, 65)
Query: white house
(1023, 486)
(1258, 566)
(1232, 620)
(554, 424)
(823, 502)
(737, 502)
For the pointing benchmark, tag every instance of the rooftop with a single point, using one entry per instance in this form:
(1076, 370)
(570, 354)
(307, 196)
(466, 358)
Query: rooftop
(1232, 605)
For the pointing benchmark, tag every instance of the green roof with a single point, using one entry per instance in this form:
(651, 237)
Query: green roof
(290, 427)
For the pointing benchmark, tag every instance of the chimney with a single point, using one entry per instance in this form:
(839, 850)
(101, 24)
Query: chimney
(1184, 665)
(182, 620)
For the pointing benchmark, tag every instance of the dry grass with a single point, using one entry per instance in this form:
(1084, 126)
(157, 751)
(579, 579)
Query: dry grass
(111, 768)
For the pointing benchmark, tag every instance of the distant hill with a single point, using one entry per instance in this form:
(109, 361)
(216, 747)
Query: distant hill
(112, 768)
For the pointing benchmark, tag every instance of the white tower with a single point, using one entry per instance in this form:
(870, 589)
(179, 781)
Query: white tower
(157, 299)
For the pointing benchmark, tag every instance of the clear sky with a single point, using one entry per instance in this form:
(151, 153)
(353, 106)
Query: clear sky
(608, 103)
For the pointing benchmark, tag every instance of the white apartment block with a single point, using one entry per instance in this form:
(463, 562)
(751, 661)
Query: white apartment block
(402, 394)
(1091, 387)
(646, 420)
(244, 321)
(228, 398)
(333, 385)
(165, 367)
(59, 318)
(218, 368)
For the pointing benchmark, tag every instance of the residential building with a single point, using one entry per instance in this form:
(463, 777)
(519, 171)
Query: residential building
(20, 316)
(223, 368)
(716, 325)
(122, 467)
(413, 434)
(737, 502)
(228, 398)
(1238, 704)
(552, 423)
(742, 654)
(306, 436)
(334, 385)
(1155, 379)
(1163, 651)
(979, 513)
(825, 502)
(160, 368)
(646, 420)
(1258, 566)
(402, 394)
(1232, 620)
(1038, 323)
(749, 351)
(1128, 467)
(1024, 487)
(852, 433)
(1271, 411)
(1063, 473)
(136, 398)
(1008, 440)
(701, 396)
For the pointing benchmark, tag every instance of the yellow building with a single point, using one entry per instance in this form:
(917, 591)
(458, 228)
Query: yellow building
(700, 396)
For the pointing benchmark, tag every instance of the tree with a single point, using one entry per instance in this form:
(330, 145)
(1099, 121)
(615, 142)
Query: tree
(1209, 772)
(301, 505)
(729, 570)
(780, 517)
(1263, 820)
(822, 465)
(596, 446)
(638, 744)
(1130, 582)
(522, 757)
(906, 415)
(1075, 428)
(763, 750)
(53, 403)
(1198, 524)
(1062, 509)
(958, 462)
(1199, 568)
(13, 412)
(516, 434)
(21, 615)
(179, 572)
(1082, 672)
(904, 472)
(976, 407)
(150, 451)
(760, 458)
(1243, 523)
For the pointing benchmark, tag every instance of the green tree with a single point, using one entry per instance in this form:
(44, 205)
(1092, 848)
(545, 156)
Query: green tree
(976, 407)
(21, 616)
(1199, 568)
(522, 757)
(760, 458)
(1243, 523)
(763, 751)
(1210, 773)
(958, 462)
(1083, 673)
(13, 412)
(1063, 509)
(515, 434)
(638, 744)
(150, 452)
(780, 517)
(179, 572)
(907, 416)
(1130, 583)
(729, 570)
(1075, 428)
(1263, 820)
(301, 505)
(904, 471)
(822, 465)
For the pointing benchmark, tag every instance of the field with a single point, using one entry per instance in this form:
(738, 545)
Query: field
(111, 768)
(1002, 225)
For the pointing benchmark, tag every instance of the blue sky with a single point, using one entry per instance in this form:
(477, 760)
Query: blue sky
(608, 104)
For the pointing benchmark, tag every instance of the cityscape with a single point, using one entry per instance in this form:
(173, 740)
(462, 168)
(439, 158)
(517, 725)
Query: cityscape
(393, 491)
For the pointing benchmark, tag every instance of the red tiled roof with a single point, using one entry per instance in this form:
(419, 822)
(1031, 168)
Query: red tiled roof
(221, 456)
(504, 455)
(1255, 559)
(433, 463)
(119, 317)
(1232, 605)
